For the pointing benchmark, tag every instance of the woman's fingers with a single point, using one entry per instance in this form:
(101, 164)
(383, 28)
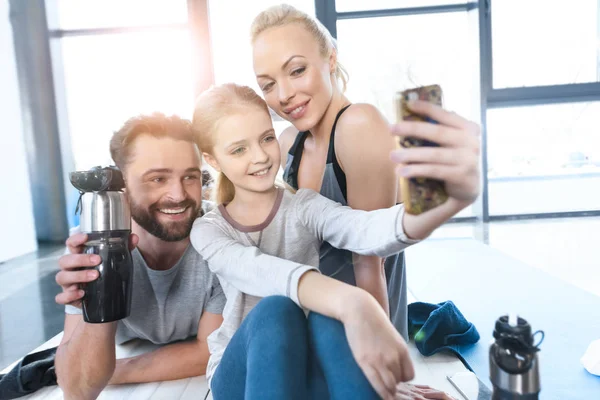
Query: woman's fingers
(440, 134)
(443, 116)
(433, 155)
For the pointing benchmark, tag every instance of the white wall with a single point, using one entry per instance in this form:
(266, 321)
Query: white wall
(17, 229)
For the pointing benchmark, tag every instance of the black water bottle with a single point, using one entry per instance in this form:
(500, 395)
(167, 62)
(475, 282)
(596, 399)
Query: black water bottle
(514, 363)
(106, 218)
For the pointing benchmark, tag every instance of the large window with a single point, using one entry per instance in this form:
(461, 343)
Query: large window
(116, 59)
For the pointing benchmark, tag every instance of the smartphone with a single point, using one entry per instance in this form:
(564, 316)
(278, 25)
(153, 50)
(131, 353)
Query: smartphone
(419, 194)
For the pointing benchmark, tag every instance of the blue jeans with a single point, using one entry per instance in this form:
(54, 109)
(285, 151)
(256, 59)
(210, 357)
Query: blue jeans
(277, 353)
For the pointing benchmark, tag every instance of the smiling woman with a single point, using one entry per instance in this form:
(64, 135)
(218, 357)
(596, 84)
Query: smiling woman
(232, 57)
(296, 63)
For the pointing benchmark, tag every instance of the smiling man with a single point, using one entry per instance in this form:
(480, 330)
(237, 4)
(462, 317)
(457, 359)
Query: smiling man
(176, 300)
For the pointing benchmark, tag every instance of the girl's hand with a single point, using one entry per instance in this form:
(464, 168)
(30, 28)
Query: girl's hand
(377, 347)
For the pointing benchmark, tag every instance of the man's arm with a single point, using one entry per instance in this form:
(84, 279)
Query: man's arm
(85, 359)
(172, 361)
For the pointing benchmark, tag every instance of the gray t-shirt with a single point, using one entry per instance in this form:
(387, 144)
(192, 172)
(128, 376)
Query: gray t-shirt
(268, 259)
(166, 306)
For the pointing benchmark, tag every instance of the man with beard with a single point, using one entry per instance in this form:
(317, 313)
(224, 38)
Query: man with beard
(176, 300)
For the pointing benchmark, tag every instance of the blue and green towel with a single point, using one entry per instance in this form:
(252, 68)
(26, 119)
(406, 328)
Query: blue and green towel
(440, 327)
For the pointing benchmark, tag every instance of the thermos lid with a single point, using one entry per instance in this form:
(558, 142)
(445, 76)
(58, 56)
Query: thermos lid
(102, 203)
(104, 211)
(521, 330)
(98, 179)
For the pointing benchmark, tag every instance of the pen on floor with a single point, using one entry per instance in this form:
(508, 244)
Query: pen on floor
(457, 388)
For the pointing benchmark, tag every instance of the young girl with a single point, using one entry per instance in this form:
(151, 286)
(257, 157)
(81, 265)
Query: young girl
(264, 241)
(342, 150)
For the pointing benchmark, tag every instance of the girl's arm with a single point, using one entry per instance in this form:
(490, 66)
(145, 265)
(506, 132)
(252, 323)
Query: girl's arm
(247, 268)
(371, 233)
(377, 347)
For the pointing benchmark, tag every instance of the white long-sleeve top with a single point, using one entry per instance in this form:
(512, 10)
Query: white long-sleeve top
(253, 262)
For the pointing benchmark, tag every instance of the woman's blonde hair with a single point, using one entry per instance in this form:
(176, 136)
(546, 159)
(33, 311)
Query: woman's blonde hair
(211, 107)
(285, 14)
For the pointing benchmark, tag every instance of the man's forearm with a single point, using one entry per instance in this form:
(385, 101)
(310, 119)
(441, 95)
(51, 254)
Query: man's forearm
(85, 362)
(173, 361)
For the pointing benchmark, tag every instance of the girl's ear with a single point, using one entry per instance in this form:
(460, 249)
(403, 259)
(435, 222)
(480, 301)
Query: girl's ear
(211, 161)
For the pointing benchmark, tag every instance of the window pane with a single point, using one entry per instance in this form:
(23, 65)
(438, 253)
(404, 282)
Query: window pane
(77, 14)
(544, 140)
(544, 158)
(538, 42)
(361, 5)
(111, 78)
(388, 54)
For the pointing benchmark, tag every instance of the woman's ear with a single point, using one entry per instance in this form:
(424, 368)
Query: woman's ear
(333, 62)
(211, 161)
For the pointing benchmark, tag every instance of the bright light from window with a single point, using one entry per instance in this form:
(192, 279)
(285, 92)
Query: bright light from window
(111, 78)
(77, 14)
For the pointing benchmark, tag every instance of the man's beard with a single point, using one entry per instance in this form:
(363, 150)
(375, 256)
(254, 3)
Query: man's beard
(169, 232)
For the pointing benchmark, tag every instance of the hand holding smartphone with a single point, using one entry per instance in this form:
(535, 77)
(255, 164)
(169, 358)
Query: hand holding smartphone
(419, 194)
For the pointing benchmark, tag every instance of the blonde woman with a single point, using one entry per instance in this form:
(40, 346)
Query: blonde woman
(342, 150)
